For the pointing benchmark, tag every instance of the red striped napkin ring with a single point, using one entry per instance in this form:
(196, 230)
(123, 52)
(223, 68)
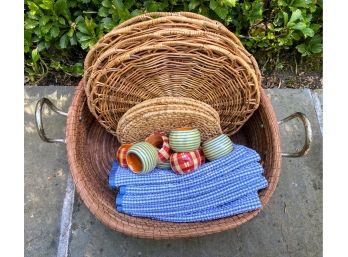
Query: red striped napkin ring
(161, 142)
(182, 163)
(121, 155)
(200, 153)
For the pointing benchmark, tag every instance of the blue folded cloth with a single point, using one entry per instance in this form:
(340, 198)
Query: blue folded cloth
(239, 157)
(220, 188)
(191, 186)
(212, 189)
(215, 198)
(247, 203)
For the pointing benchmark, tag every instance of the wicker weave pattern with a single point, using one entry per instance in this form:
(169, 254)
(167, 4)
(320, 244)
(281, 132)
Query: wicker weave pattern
(91, 151)
(165, 114)
(171, 54)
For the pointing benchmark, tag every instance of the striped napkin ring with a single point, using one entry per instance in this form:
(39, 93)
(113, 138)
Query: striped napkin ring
(161, 142)
(184, 139)
(121, 155)
(200, 153)
(142, 157)
(182, 163)
(217, 147)
(164, 165)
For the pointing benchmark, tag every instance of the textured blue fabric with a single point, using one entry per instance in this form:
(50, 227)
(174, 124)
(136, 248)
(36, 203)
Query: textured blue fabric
(228, 183)
(247, 203)
(197, 184)
(217, 197)
(220, 188)
(239, 157)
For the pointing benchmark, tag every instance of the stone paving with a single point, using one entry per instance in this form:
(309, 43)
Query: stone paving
(290, 224)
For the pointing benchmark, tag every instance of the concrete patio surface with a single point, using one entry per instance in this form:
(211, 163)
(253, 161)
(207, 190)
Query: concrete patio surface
(290, 224)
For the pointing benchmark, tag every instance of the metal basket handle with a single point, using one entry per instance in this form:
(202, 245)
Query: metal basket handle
(308, 134)
(38, 120)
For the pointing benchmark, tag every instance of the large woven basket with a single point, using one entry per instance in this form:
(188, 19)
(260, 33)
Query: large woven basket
(91, 150)
(171, 54)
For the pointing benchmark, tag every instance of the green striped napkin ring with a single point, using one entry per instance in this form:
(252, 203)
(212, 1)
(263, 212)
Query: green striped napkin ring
(184, 139)
(142, 157)
(164, 165)
(217, 147)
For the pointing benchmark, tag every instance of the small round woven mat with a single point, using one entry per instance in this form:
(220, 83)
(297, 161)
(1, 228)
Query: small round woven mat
(141, 121)
(181, 101)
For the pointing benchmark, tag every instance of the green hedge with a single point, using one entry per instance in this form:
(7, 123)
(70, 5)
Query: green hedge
(58, 33)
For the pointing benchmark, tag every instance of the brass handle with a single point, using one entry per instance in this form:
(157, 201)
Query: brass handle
(308, 134)
(38, 120)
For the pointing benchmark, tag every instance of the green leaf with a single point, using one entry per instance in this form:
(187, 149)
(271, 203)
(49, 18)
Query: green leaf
(61, 20)
(151, 6)
(121, 10)
(70, 32)
(315, 44)
(308, 32)
(221, 12)
(213, 5)
(83, 38)
(41, 46)
(55, 65)
(45, 29)
(286, 18)
(299, 26)
(296, 36)
(312, 8)
(295, 16)
(90, 24)
(61, 8)
(30, 24)
(231, 3)
(108, 23)
(282, 3)
(43, 20)
(194, 4)
(106, 3)
(35, 56)
(136, 12)
(32, 7)
(316, 48)
(103, 12)
(246, 6)
(63, 42)
(77, 68)
(54, 31)
(81, 26)
(302, 49)
(47, 4)
(79, 19)
(129, 3)
(73, 40)
(315, 27)
(301, 3)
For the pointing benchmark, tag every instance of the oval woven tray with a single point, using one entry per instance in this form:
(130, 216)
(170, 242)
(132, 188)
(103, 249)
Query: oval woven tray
(135, 125)
(171, 54)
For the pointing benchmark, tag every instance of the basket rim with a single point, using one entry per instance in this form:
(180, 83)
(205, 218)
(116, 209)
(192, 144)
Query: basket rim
(125, 225)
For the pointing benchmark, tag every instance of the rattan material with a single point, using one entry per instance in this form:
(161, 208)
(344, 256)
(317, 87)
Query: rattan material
(182, 101)
(91, 150)
(140, 121)
(171, 54)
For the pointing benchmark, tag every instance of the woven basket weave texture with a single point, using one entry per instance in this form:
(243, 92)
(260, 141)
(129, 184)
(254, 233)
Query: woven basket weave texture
(171, 54)
(91, 150)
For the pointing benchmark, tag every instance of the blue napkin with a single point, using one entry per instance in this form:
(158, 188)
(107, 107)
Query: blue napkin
(220, 188)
